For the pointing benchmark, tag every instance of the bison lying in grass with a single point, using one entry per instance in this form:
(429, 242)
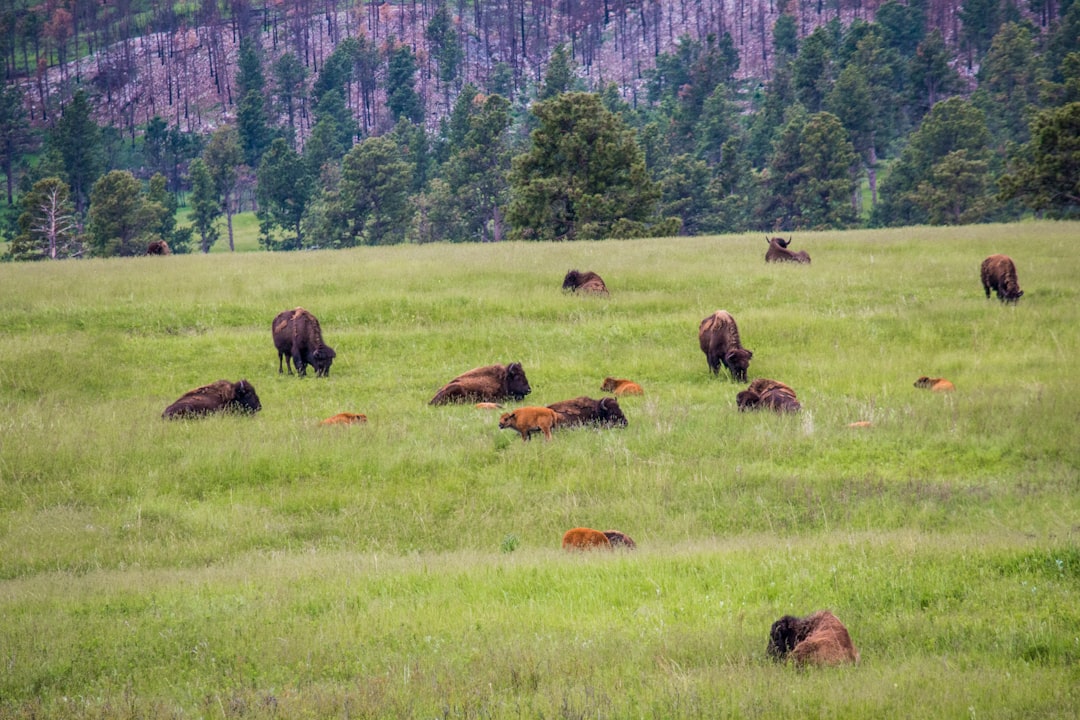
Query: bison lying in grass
(587, 411)
(298, 339)
(619, 386)
(718, 336)
(490, 383)
(585, 539)
(586, 282)
(345, 418)
(766, 393)
(619, 539)
(778, 252)
(818, 639)
(998, 273)
(934, 384)
(220, 396)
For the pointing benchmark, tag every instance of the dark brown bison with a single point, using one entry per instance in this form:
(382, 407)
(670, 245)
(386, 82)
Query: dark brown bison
(620, 539)
(586, 411)
(588, 282)
(778, 252)
(490, 383)
(585, 539)
(819, 639)
(298, 339)
(158, 247)
(718, 336)
(771, 394)
(998, 273)
(221, 396)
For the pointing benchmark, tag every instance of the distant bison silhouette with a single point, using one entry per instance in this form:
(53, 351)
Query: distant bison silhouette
(585, 539)
(298, 339)
(718, 336)
(220, 396)
(585, 410)
(621, 387)
(587, 282)
(527, 420)
(490, 383)
(345, 418)
(818, 639)
(620, 539)
(766, 393)
(998, 273)
(934, 384)
(778, 252)
(158, 247)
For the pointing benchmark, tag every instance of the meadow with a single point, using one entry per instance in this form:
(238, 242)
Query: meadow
(269, 567)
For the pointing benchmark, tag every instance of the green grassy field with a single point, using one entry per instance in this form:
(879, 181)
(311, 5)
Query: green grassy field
(269, 567)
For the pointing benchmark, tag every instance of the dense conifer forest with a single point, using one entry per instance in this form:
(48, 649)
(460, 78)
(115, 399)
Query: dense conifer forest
(343, 123)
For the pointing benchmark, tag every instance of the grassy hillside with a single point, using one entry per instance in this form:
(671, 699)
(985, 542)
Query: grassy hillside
(269, 567)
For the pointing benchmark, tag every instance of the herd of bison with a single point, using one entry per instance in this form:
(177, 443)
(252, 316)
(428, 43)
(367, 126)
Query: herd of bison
(819, 638)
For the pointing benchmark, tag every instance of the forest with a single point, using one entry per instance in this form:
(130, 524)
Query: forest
(343, 123)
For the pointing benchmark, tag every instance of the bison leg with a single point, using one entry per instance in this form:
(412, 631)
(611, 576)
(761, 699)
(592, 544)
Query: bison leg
(301, 366)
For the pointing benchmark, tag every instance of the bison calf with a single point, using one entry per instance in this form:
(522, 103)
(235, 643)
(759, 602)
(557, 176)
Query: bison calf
(819, 639)
(220, 396)
(298, 339)
(588, 282)
(585, 539)
(718, 336)
(934, 384)
(490, 383)
(778, 252)
(998, 273)
(345, 418)
(766, 393)
(621, 387)
(527, 420)
(587, 411)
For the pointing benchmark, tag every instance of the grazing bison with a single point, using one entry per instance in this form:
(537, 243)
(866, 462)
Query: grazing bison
(718, 336)
(158, 247)
(621, 387)
(765, 393)
(527, 420)
(620, 539)
(221, 396)
(586, 411)
(490, 383)
(345, 418)
(778, 252)
(934, 384)
(819, 639)
(298, 339)
(998, 273)
(585, 539)
(588, 282)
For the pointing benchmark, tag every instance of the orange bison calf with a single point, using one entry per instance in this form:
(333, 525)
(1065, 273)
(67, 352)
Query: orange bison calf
(586, 282)
(220, 396)
(998, 273)
(345, 418)
(766, 393)
(585, 539)
(527, 420)
(621, 387)
(934, 384)
(490, 383)
(818, 639)
(718, 336)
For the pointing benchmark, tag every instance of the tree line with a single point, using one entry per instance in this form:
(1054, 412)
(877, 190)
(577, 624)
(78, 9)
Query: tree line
(869, 123)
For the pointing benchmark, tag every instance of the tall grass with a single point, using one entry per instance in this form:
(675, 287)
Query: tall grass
(266, 566)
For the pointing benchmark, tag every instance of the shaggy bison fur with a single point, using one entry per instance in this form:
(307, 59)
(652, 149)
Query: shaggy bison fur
(778, 252)
(298, 339)
(220, 396)
(587, 282)
(490, 383)
(621, 387)
(718, 336)
(819, 639)
(766, 393)
(158, 247)
(998, 273)
(619, 539)
(934, 384)
(585, 539)
(587, 411)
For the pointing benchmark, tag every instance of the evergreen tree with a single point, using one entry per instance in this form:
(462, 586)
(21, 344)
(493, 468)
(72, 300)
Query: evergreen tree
(932, 77)
(903, 27)
(157, 191)
(445, 45)
(14, 133)
(285, 189)
(47, 226)
(785, 39)
(374, 194)
(223, 158)
(121, 219)
(401, 97)
(955, 191)
(1008, 84)
(336, 71)
(812, 71)
(253, 129)
(77, 141)
(290, 76)
(1044, 174)
(477, 169)
(559, 77)
(205, 204)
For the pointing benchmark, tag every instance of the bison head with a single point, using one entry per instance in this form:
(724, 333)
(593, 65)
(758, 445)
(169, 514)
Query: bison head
(738, 360)
(1011, 293)
(517, 385)
(572, 280)
(245, 398)
(783, 636)
(747, 400)
(322, 359)
(610, 413)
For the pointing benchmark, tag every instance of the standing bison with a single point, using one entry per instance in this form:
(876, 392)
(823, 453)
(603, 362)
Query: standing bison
(586, 282)
(220, 396)
(586, 411)
(490, 383)
(718, 336)
(298, 339)
(998, 273)
(778, 252)
(766, 393)
(819, 639)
